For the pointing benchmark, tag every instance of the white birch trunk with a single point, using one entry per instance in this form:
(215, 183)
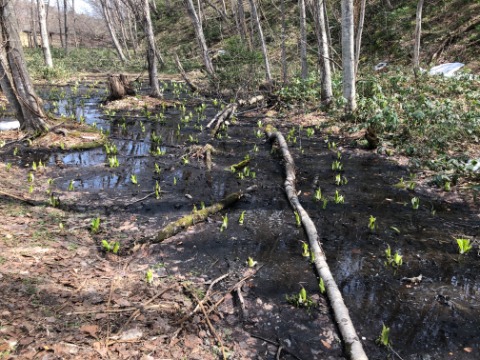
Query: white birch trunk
(256, 20)
(418, 33)
(200, 37)
(42, 17)
(108, 21)
(323, 52)
(152, 60)
(358, 39)
(348, 61)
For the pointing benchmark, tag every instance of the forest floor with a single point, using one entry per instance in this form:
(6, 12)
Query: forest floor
(64, 296)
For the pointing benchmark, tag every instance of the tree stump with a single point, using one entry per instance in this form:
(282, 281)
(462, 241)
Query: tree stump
(119, 87)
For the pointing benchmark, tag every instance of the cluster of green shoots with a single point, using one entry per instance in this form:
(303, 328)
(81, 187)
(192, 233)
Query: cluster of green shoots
(301, 299)
(241, 219)
(113, 161)
(372, 225)
(134, 180)
(464, 245)
(251, 263)
(95, 225)
(384, 338)
(112, 246)
(394, 260)
(158, 151)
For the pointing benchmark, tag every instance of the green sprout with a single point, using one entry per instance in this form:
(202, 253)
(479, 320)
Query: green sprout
(30, 189)
(111, 149)
(298, 220)
(30, 177)
(258, 133)
(324, 204)
(317, 196)
(255, 148)
(54, 201)
(250, 262)
(174, 180)
(447, 186)
(339, 155)
(95, 225)
(8, 166)
(395, 260)
(157, 190)
(241, 219)
(15, 151)
(372, 223)
(305, 249)
(34, 166)
(158, 169)
(337, 166)
(158, 151)
(113, 162)
(259, 123)
(415, 203)
(224, 225)
(149, 276)
(133, 179)
(310, 132)
(301, 299)
(112, 246)
(202, 205)
(185, 160)
(464, 245)
(339, 199)
(321, 286)
(384, 338)
(71, 185)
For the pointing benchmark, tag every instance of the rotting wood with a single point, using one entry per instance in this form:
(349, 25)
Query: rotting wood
(353, 346)
(119, 87)
(193, 218)
(240, 165)
(229, 111)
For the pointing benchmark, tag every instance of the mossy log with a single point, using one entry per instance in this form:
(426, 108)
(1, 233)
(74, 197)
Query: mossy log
(353, 346)
(193, 218)
(240, 165)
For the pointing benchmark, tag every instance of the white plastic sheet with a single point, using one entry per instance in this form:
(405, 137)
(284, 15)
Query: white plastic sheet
(9, 125)
(447, 70)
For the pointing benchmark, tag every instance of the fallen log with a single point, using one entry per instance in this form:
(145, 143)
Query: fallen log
(193, 218)
(353, 346)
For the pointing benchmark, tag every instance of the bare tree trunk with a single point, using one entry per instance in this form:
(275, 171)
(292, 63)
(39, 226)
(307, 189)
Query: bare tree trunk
(60, 29)
(200, 37)
(108, 20)
(256, 19)
(358, 40)
(303, 38)
(348, 62)
(152, 60)
(14, 70)
(418, 33)
(323, 51)
(65, 23)
(42, 16)
(74, 29)
(33, 25)
(243, 25)
(283, 39)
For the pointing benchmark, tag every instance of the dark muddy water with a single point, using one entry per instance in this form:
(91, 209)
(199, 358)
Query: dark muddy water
(438, 318)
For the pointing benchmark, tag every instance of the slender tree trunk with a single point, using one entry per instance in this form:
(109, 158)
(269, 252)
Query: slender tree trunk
(33, 24)
(74, 20)
(256, 20)
(200, 37)
(348, 61)
(60, 28)
(14, 71)
(418, 33)
(65, 23)
(358, 39)
(152, 60)
(323, 52)
(108, 20)
(243, 25)
(283, 39)
(42, 17)
(303, 38)
(329, 34)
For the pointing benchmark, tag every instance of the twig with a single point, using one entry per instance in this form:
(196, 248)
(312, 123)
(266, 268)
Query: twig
(212, 329)
(276, 344)
(141, 199)
(391, 349)
(117, 311)
(279, 351)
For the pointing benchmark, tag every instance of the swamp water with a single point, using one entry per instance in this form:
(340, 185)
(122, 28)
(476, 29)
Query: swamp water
(438, 318)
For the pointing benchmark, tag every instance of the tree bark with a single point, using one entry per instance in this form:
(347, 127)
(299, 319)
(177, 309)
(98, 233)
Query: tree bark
(152, 60)
(74, 20)
(348, 62)
(42, 16)
(243, 25)
(256, 20)
(14, 73)
(418, 32)
(65, 23)
(200, 37)
(323, 51)
(353, 345)
(283, 45)
(358, 40)
(108, 21)
(33, 25)
(303, 38)
(60, 29)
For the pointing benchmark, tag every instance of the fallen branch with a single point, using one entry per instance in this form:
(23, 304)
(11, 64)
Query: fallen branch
(7, 195)
(280, 347)
(192, 87)
(193, 218)
(353, 346)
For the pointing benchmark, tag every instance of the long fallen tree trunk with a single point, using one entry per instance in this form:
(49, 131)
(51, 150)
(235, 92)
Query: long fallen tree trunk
(353, 346)
(193, 218)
